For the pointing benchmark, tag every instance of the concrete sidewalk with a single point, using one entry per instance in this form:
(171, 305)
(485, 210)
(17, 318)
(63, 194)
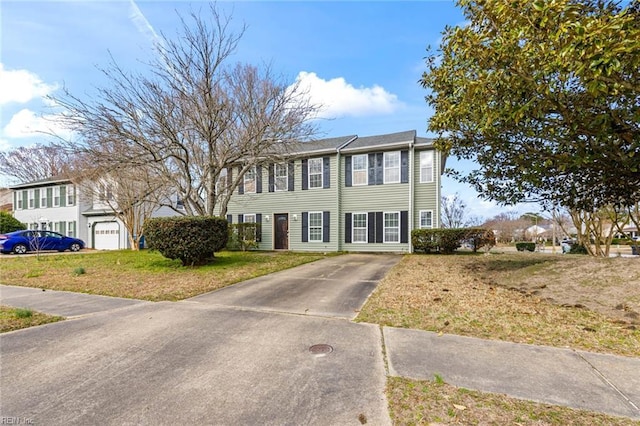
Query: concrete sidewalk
(578, 379)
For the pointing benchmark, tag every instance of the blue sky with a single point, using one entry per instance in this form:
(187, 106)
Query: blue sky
(362, 60)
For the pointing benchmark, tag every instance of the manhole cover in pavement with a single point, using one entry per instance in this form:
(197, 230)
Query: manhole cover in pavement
(321, 349)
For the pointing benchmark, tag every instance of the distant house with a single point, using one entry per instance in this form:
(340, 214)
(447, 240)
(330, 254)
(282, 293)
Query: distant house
(59, 205)
(344, 194)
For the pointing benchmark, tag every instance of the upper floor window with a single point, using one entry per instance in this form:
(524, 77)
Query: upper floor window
(392, 167)
(71, 195)
(315, 173)
(32, 201)
(359, 169)
(426, 219)
(426, 166)
(250, 180)
(281, 177)
(43, 198)
(20, 200)
(56, 196)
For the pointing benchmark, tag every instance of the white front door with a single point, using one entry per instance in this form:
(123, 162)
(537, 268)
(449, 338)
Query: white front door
(106, 236)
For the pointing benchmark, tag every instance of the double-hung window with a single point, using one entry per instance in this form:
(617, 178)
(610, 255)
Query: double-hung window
(426, 166)
(71, 195)
(250, 180)
(359, 170)
(392, 167)
(426, 219)
(281, 173)
(359, 228)
(315, 227)
(391, 227)
(43, 198)
(315, 173)
(56, 196)
(20, 201)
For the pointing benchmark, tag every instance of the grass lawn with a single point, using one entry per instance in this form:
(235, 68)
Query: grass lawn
(17, 318)
(142, 274)
(564, 301)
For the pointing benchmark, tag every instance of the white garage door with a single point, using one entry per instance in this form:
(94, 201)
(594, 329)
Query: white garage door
(106, 236)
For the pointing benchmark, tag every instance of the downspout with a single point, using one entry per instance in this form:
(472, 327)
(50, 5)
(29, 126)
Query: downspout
(411, 189)
(339, 185)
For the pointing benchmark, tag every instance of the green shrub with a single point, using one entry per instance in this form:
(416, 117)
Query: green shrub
(578, 249)
(8, 223)
(244, 236)
(525, 245)
(449, 240)
(192, 239)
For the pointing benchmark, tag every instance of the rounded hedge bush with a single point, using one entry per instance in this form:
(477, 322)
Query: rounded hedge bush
(8, 223)
(192, 239)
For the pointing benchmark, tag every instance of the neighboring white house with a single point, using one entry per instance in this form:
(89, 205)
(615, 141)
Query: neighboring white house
(58, 205)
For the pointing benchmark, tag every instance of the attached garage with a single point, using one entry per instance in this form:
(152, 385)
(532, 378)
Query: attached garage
(106, 236)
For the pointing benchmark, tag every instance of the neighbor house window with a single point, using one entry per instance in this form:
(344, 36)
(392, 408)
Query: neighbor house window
(315, 173)
(392, 167)
(56, 196)
(71, 195)
(426, 166)
(71, 229)
(315, 227)
(281, 173)
(250, 181)
(426, 219)
(43, 198)
(31, 198)
(359, 228)
(392, 227)
(20, 201)
(359, 169)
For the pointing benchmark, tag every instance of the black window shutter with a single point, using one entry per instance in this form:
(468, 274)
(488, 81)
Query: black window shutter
(258, 179)
(290, 175)
(326, 172)
(372, 169)
(404, 166)
(258, 227)
(305, 227)
(371, 227)
(347, 170)
(240, 218)
(347, 227)
(404, 226)
(379, 227)
(379, 168)
(305, 174)
(272, 178)
(230, 218)
(325, 226)
(241, 183)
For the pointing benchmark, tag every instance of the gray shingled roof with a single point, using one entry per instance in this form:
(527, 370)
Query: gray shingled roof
(322, 145)
(381, 140)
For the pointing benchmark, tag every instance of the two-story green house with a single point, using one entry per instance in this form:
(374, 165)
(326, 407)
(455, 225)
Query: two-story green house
(344, 194)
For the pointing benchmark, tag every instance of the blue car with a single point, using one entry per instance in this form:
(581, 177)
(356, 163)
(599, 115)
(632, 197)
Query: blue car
(20, 242)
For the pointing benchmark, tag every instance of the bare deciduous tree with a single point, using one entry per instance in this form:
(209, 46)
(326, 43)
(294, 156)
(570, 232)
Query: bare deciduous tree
(192, 119)
(455, 214)
(38, 162)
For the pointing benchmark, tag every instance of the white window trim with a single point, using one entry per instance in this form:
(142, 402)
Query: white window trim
(285, 167)
(420, 219)
(71, 195)
(320, 226)
(366, 171)
(366, 228)
(398, 167)
(20, 205)
(246, 179)
(56, 195)
(43, 198)
(249, 215)
(31, 200)
(423, 178)
(321, 173)
(384, 228)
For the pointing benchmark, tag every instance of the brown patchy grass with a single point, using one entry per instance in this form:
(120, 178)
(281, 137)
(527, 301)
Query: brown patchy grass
(498, 296)
(142, 275)
(437, 403)
(17, 318)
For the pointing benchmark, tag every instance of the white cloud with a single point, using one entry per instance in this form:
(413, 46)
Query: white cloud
(26, 124)
(340, 98)
(21, 86)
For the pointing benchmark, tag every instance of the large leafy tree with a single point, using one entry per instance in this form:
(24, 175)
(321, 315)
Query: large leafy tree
(545, 96)
(194, 118)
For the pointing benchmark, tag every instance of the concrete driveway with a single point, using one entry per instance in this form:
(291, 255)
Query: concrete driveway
(244, 355)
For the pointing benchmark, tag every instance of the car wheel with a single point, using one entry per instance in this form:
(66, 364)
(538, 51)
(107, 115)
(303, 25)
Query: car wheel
(74, 247)
(19, 249)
